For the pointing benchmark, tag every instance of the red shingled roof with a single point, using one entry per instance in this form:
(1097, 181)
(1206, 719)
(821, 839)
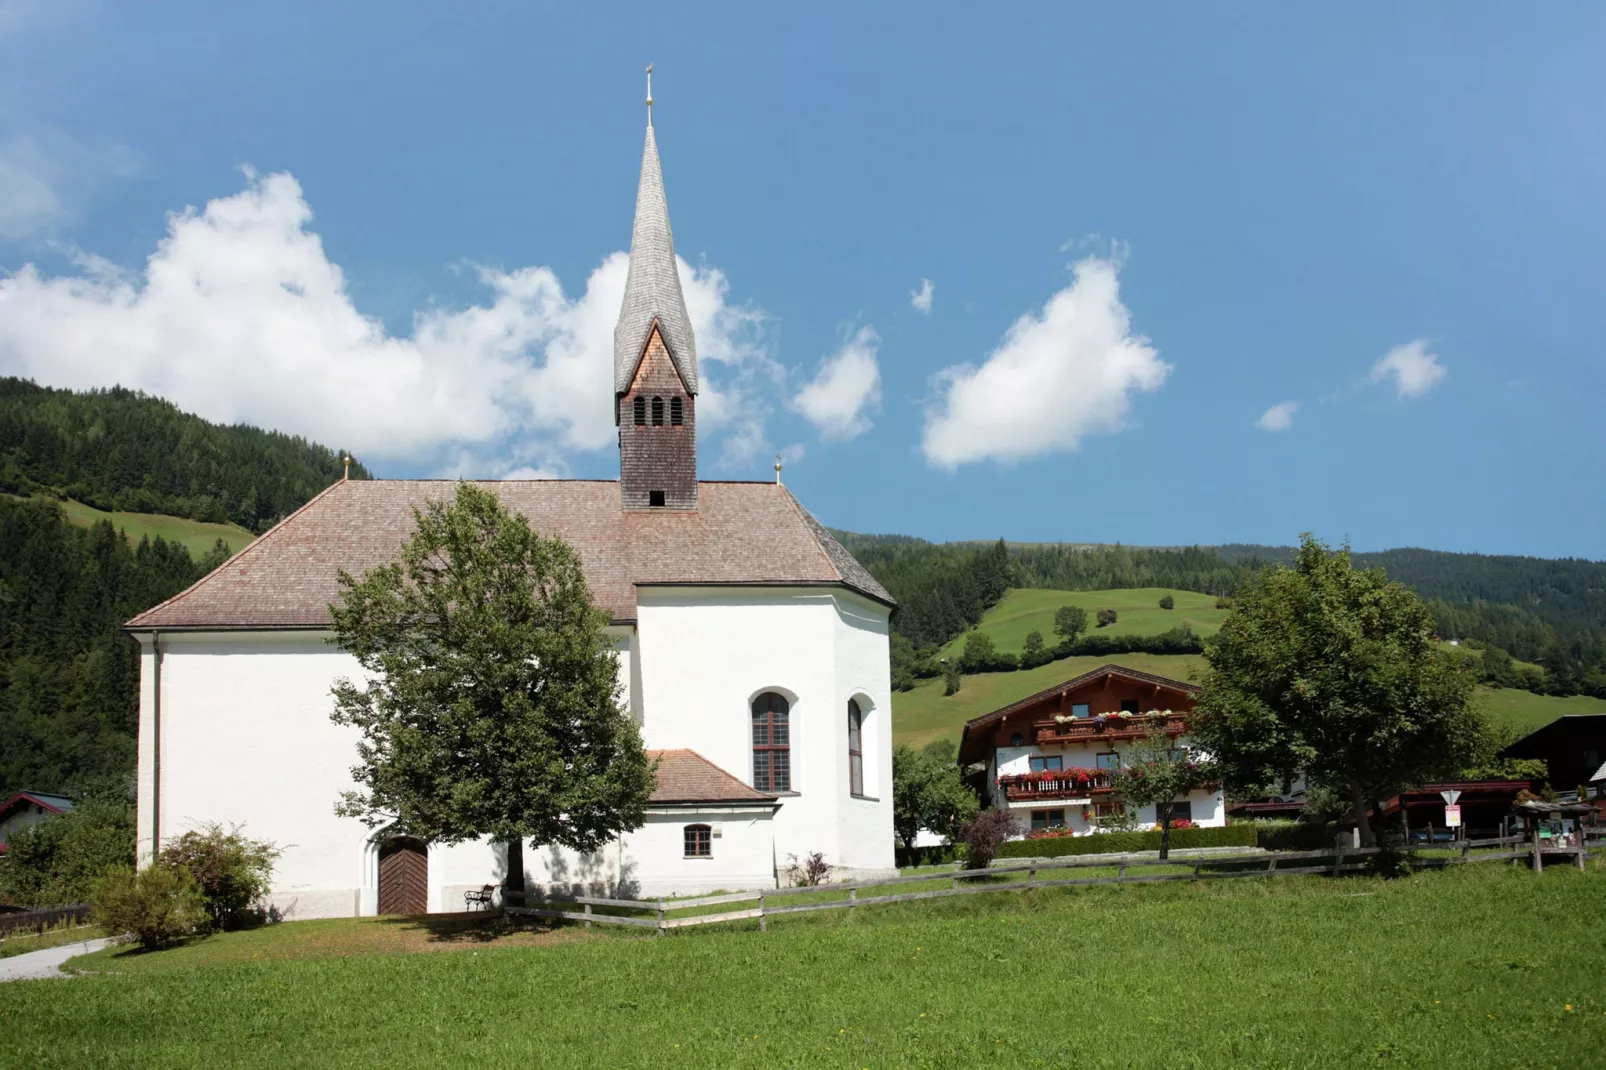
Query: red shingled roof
(751, 534)
(686, 776)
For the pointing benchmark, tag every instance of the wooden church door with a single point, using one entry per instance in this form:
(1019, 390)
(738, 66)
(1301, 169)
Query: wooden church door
(403, 876)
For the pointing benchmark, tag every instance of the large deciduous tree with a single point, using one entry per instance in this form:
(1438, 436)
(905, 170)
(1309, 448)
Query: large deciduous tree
(928, 793)
(492, 705)
(1332, 672)
(1156, 772)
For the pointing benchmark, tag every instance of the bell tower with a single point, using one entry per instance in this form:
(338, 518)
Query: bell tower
(655, 357)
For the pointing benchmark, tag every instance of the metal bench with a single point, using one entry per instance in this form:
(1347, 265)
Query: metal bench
(482, 898)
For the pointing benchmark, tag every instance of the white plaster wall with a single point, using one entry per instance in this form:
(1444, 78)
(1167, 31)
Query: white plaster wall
(651, 861)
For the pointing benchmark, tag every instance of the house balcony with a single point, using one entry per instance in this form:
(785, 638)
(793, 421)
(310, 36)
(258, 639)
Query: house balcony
(1107, 727)
(1055, 784)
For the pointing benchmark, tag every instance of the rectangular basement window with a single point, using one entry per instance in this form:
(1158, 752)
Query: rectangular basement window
(655, 499)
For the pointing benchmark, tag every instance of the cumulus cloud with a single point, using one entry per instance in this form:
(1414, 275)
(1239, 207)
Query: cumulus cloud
(1059, 374)
(845, 390)
(921, 298)
(239, 315)
(1414, 370)
(1278, 417)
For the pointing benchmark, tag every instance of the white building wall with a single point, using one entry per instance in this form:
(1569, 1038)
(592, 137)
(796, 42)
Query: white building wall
(1209, 808)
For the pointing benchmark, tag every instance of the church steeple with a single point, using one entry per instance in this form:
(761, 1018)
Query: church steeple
(655, 357)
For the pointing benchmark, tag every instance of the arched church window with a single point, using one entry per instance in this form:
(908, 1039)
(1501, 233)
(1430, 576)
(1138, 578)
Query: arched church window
(772, 743)
(658, 412)
(855, 748)
(676, 415)
(641, 411)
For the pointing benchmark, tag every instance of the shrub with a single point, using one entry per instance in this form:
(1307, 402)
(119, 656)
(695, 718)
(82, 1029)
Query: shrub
(986, 834)
(1128, 842)
(1285, 835)
(1107, 617)
(925, 856)
(810, 872)
(58, 859)
(950, 679)
(158, 905)
(1223, 602)
(1168, 602)
(981, 656)
(232, 871)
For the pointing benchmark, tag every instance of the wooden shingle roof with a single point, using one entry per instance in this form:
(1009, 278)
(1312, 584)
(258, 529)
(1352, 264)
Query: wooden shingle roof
(740, 534)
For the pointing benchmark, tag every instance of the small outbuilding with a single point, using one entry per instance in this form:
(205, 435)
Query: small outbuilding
(28, 808)
(1573, 749)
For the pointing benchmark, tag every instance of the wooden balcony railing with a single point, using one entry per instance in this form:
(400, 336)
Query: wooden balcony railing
(1108, 727)
(1025, 786)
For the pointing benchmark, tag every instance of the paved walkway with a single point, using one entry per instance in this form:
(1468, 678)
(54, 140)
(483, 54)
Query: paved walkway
(47, 963)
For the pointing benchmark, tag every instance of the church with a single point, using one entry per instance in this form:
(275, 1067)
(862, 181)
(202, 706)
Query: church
(753, 651)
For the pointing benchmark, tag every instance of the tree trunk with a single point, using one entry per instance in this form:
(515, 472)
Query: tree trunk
(1358, 800)
(1165, 832)
(513, 883)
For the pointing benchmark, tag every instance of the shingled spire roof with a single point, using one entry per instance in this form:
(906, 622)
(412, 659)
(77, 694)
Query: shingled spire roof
(652, 289)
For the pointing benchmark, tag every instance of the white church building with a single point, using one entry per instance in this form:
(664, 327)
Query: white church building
(752, 647)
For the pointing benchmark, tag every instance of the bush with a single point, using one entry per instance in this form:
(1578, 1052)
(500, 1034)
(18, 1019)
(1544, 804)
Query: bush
(58, 859)
(950, 679)
(1128, 842)
(986, 834)
(1285, 835)
(231, 870)
(158, 905)
(810, 872)
(1107, 617)
(1168, 602)
(981, 656)
(1223, 602)
(926, 856)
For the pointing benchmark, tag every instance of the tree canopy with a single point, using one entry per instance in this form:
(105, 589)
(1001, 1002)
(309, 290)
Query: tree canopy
(928, 793)
(1156, 773)
(492, 707)
(1333, 672)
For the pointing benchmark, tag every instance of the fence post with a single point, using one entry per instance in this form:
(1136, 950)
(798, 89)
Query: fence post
(1271, 866)
(1338, 867)
(763, 923)
(1539, 860)
(853, 898)
(588, 920)
(1583, 841)
(1120, 874)
(660, 917)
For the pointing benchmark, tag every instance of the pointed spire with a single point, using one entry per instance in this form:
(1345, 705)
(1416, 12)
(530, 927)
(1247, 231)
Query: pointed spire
(652, 287)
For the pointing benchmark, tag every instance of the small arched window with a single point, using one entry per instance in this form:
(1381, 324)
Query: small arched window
(641, 411)
(699, 841)
(772, 743)
(855, 748)
(1016, 740)
(658, 412)
(676, 412)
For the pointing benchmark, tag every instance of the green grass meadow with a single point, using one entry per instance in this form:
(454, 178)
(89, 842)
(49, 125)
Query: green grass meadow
(1482, 966)
(1023, 611)
(1526, 711)
(196, 535)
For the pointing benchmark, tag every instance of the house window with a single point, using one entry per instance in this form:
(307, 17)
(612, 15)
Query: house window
(1108, 811)
(655, 499)
(855, 748)
(1130, 705)
(641, 411)
(1181, 810)
(1108, 760)
(658, 412)
(1043, 820)
(1081, 709)
(1053, 761)
(1177, 754)
(699, 841)
(677, 414)
(1016, 740)
(772, 743)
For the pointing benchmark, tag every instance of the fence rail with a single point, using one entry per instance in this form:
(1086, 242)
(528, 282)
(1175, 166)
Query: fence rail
(39, 920)
(1331, 861)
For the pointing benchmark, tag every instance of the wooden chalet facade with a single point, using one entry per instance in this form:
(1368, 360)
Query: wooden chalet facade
(1049, 756)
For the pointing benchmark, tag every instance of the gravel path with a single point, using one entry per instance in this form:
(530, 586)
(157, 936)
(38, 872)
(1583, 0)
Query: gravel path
(47, 963)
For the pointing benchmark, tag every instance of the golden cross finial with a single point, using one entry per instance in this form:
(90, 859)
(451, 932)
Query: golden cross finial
(347, 459)
(649, 94)
(777, 469)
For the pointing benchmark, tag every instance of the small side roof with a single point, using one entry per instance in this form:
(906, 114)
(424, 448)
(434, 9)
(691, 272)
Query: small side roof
(684, 776)
(49, 800)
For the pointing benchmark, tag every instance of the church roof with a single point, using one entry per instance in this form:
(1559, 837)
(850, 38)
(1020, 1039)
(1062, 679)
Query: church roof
(684, 776)
(740, 534)
(652, 287)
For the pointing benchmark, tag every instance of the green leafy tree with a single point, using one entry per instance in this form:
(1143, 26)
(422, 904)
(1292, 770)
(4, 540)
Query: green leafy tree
(1070, 622)
(493, 702)
(1034, 644)
(1334, 672)
(1156, 772)
(58, 859)
(928, 793)
(980, 654)
(1167, 602)
(951, 679)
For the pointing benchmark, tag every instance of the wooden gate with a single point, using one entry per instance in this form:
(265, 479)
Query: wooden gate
(403, 876)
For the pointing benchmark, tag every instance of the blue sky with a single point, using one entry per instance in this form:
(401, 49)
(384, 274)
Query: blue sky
(403, 218)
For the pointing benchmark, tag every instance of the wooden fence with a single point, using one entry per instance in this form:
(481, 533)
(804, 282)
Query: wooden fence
(45, 918)
(1331, 861)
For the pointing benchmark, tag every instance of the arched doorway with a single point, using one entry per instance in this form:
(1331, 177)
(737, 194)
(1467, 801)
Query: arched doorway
(403, 876)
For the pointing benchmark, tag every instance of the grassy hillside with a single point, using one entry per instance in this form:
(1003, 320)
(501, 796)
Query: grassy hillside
(1023, 611)
(1526, 711)
(197, 536)
(1437, 970)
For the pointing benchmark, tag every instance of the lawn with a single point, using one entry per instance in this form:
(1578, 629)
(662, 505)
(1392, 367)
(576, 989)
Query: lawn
(1526, 711)
(1486, 966)
(196, 535)
(1023, 611)
(925, 714)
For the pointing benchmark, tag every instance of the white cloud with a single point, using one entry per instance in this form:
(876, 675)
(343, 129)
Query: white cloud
(921, 298)
(45, 177)
(1415, 371)
(848, 385)
(1058, 375)
(240, 316)
(1278, 417)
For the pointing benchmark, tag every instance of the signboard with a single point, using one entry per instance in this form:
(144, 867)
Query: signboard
(1452, 817)
(1450, 796)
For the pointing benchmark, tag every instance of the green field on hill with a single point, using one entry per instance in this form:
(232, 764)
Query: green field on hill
(1526, 711)
(1023, 611)
(197, 536)
(1435, 970)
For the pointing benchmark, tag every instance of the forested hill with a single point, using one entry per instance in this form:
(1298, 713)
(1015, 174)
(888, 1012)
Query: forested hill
(1552, 612)
(122, 450)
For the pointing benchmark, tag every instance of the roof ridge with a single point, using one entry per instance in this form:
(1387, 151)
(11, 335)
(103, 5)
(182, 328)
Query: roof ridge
(133, 622)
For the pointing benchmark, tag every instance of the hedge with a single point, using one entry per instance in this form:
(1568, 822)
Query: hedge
(925, 856)
(1127, 842)
(1293, 835)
